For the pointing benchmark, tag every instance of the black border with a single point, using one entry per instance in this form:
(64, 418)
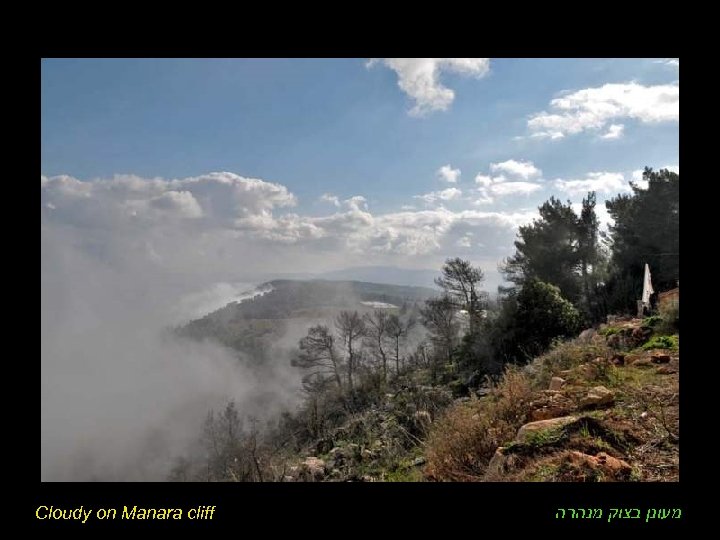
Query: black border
(373, 507)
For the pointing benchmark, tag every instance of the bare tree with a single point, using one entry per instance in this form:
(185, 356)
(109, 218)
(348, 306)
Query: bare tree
(318, 354)
(350, 327)
(377, 324)
(460, 281)
(398, 331)
(439, 316)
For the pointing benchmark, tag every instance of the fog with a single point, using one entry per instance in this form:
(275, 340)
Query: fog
(121, 395)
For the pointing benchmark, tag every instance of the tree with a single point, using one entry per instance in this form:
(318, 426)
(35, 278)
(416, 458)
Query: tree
(439, 316)
(460, 281)
(378, 332)
(398, 330)
(547, 250)
(646, 229)
(350, 327)
(318, 353)
(541, 315)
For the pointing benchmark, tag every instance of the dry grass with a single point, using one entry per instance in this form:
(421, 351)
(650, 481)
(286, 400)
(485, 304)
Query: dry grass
(462, 442)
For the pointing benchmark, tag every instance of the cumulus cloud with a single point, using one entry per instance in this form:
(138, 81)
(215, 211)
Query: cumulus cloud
(602, 182)
(615, 131)
(332, 199)
(593, 108)
(448, 194)
(518, 169)
(447, 174)
(419, 78)
(509, 177)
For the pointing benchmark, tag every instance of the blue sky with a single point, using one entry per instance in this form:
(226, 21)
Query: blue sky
(348, 128)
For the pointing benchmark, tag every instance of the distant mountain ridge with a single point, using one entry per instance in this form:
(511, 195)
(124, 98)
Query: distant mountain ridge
(390, 275)
(253, 324)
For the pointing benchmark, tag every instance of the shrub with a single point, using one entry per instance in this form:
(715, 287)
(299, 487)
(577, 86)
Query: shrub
(662, 342)
(670, 313)
(652, 321)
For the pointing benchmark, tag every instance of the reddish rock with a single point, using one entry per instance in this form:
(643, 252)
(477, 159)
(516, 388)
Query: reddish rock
(660, 358)
(598, 395)
(665, 370)
(556, 383)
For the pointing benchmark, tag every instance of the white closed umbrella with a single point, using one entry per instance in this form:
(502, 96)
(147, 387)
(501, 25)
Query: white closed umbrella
(647, 287)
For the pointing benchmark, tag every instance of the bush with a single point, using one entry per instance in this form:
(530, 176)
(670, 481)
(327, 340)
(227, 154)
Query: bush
(662, 342)
(652, 321)
(670, 313)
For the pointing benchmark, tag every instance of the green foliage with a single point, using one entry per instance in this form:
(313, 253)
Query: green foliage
(609, 331)
(662, 342)
(652, 321)
(542, 315)
(645, 230)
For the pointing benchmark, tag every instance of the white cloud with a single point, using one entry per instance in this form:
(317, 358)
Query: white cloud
(602, 182)
(333, 199)
(502, 189)
(672, 168)
(483, 180)
(447, 174)
(510, 178)
(517, 169)
(594, 108)
(419, 78)
(670, 62)
(354, 203)
(615, 131)
(448, 194)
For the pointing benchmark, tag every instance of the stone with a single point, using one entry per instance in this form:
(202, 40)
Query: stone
(612, 464)
(616, 468)
(418, 461)
(527, 430)
(598, 395)
(665, 370)
(587, 335)
(618, 360)
(496, 466)
(642, 363)
(660, 358)
(556, 383)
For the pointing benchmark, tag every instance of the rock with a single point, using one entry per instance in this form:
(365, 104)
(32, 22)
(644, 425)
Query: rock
(496, 467)
(660, 358)
(631, 359)
(367, 478)
(587, 335)
(586, 370)
(616, 469)
(314, 468)
(598, 395)
(618, 360)
(565, 372)
(615, 465)
(527, 430)
(642, 363)
(556, 383)
(366, 455)
(288, 478)
(665, 370)
(418, 461)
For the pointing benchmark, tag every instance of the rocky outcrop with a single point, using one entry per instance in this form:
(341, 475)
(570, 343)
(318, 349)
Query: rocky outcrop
(598, 396)
(526, 431)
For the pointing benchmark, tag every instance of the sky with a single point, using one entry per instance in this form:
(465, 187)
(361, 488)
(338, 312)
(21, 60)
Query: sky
(169, 183)
(319, 164)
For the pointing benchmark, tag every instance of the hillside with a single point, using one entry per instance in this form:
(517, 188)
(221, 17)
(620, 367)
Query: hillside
(600, 407)
(291, 306)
